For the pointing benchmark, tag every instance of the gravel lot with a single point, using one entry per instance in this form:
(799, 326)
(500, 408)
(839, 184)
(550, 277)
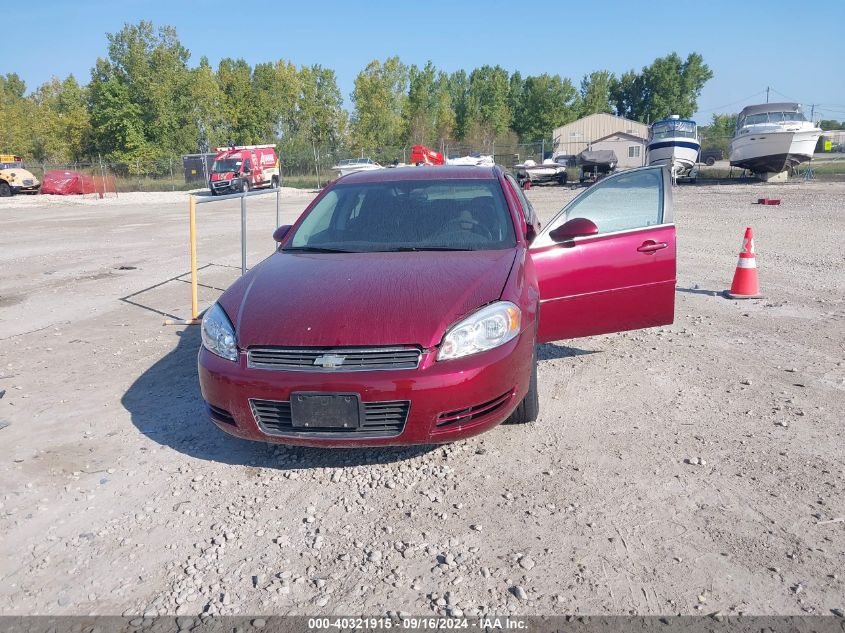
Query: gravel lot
(697, 468)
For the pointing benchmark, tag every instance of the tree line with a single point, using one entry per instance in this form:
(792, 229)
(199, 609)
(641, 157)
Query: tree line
(144, 102)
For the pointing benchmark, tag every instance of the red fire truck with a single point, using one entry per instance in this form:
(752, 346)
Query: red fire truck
(243, 167)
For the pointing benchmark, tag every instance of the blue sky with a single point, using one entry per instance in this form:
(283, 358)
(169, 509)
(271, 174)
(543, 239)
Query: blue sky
(57, 38)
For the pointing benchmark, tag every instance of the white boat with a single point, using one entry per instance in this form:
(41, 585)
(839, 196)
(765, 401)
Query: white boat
(353, 165)
(772, 137)
(547, 171)
(473, 159)
(674, 142)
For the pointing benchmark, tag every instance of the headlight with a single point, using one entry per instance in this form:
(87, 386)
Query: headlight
(489, 327)
(218, 335)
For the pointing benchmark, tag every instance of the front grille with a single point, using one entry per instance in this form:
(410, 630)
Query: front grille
(334, 358)
(221, 415)
(27, 182)
(381, 419)
(471, 413)
(220, 184)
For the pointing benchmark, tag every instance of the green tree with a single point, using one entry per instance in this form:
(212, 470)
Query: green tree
(145, 78)
(444, 112)
(669, 85)
(60, 125)
(831, 124)
(276, 91)
(241, 110)
(116, 120)
(516, 87)
(595, 92)
(14, 115)
(719, 132)
(459, 97)
(488, 113)
(420, 113)
(207, 108)
(379, 99)
(627, 94)
(547, 102)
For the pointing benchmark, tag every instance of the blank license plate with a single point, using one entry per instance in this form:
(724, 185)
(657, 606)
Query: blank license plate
(325, 411)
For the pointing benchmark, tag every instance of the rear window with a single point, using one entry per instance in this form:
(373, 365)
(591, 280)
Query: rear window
(408, 215)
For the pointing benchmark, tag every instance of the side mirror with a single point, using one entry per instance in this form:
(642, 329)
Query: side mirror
(576, 227)
(280, 233)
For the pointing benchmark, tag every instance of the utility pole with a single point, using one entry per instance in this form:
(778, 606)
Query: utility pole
(767, 94)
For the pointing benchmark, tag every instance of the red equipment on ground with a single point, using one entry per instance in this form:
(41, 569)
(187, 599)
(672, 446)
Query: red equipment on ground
(67, 183)
(422, 155)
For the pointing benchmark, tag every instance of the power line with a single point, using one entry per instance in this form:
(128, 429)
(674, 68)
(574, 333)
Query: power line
(731, 103)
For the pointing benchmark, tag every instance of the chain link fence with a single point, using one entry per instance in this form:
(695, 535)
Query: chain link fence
(311, 167)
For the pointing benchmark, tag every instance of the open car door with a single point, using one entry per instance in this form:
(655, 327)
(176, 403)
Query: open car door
(606, 262)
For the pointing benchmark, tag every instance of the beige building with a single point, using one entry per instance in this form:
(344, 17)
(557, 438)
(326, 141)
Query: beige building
(573, 138)
(629, 149)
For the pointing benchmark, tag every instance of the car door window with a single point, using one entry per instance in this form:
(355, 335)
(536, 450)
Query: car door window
(623, 202)
(523, 201)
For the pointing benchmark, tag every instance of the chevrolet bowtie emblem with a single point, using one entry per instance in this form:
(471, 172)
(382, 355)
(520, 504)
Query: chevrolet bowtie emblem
(329, 361)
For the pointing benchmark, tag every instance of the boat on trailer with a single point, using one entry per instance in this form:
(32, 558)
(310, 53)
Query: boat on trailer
(674, 142)
(773, 137)
(547, 171)
(354, 165)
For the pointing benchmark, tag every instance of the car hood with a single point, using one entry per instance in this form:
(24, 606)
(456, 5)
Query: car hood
(347, 299)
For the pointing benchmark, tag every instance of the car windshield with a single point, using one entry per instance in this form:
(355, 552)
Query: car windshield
(226, 165)
(408, 215)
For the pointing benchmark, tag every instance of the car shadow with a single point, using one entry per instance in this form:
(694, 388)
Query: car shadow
(698, 291)
(165, 405)
(550, 351)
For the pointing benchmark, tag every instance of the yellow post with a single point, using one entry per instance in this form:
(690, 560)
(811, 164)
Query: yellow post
(192, 212)
(192, 230)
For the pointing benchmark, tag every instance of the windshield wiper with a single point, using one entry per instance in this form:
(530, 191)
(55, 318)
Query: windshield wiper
(315, 249)
(411, 249)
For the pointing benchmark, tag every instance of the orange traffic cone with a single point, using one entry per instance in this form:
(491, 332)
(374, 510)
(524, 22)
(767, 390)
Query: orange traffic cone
(745, 284)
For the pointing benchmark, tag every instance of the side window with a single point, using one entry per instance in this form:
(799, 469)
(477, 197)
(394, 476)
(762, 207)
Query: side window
(623, 202)
(523, 201)
(247, 165)
(318, 219)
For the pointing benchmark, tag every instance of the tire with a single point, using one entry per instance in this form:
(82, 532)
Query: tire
(244, 186)
(5, 190)
(710, 161)
(562, 179)
(213, 192)
(274, 182)
(529, 409)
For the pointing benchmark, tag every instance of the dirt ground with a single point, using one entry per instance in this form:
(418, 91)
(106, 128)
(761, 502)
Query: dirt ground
(696, 468)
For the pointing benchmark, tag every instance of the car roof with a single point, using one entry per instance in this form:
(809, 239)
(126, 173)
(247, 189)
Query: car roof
(440, 172)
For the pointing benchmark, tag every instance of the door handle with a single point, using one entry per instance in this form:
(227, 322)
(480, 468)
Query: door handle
(650, 246)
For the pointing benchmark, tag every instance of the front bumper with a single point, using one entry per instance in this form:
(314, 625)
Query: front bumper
(226, 186)
(25, 188)
(455, 388)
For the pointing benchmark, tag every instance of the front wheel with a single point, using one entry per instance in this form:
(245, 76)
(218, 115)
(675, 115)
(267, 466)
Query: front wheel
(529, 409)
(710, 161)
(5, 190)
(244, 186)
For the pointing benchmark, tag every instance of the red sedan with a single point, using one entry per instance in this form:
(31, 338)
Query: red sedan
(405, 305)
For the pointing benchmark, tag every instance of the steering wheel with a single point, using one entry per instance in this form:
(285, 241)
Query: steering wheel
(475, 227)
